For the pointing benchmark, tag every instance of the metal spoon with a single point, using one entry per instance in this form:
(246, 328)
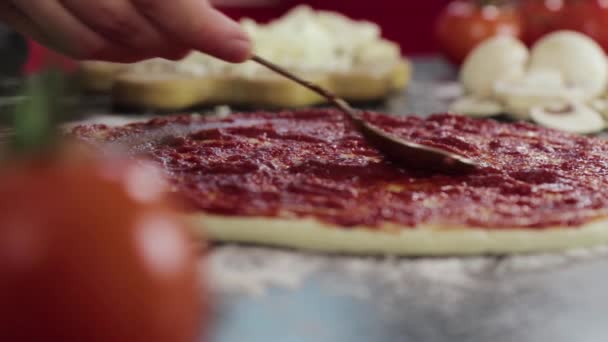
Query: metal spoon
(396, 149)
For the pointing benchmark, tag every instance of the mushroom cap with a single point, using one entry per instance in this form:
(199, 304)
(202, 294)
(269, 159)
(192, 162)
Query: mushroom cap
(601, 106)
(579, 59)
(497, 58)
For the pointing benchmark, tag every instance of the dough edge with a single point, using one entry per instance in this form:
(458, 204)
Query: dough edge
(313, 235)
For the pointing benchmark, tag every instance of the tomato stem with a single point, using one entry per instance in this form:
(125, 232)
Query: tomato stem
(482, 3)
(36, 117)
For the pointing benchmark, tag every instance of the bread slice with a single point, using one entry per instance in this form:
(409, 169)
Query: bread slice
(99, 77)
(169, 91)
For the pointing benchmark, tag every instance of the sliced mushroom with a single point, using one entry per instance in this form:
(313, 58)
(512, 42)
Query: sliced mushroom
(498, 58)
(601, 106)
(579, 59)
(476, 107)
(570, 116)
(537, 87)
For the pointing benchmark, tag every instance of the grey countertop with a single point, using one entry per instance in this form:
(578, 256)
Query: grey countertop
(271, 295)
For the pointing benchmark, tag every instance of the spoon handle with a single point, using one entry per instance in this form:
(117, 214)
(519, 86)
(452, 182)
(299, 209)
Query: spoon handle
(331, 97)
(395, 148)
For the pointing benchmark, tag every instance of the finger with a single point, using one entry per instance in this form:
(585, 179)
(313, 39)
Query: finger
(13, 17)
(118, 55)
(195, 23)
(119, 22)
(72, 36)
(19, 21)
(64, 29)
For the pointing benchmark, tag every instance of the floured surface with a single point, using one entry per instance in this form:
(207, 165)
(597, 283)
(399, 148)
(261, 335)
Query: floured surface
(244, 270)
(275, 294)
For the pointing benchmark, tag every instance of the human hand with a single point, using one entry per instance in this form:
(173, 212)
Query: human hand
(128, 30)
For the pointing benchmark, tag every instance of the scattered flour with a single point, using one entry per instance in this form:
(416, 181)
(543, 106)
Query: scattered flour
(533, 263)
(253, 270)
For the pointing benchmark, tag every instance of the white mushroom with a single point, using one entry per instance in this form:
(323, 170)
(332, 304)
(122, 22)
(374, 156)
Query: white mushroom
(538, 87)
(579, 59)
(571, 116)
(601, 106)
(498, 58)
(476, 107)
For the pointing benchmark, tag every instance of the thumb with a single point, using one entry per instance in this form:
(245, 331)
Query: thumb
(197, 24)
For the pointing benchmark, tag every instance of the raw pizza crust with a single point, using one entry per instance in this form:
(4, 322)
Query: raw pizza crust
(311, 234)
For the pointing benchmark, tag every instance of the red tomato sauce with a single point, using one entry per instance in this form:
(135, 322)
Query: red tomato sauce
(313, 163)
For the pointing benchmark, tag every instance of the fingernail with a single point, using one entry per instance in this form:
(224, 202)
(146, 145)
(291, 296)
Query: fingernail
(236, 45)
(237, 49)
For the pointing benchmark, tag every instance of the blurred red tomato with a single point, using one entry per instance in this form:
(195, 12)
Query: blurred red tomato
(540, 17)
(589, 17)
(91, 252)
(464, 24)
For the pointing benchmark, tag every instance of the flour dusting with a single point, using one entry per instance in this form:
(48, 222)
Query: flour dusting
(253, 270)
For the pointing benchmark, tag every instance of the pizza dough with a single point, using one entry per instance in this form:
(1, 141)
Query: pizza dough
(307, 180)
(310, 234)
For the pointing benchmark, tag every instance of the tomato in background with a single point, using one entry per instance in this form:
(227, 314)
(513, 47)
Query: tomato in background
(540, 17)
(464, 24)
(90, 251)
(589, 17)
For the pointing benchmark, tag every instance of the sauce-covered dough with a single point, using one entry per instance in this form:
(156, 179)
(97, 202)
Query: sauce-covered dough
(313, 163)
